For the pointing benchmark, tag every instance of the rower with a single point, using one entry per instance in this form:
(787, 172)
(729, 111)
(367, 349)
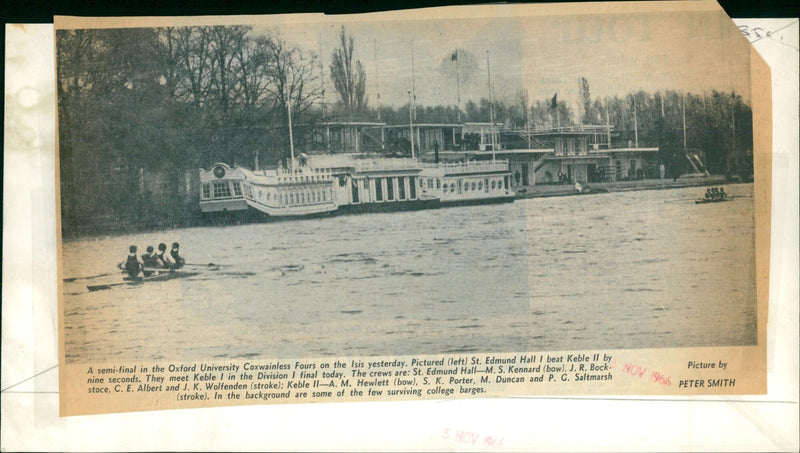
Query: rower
(722, 193)
(176, 256)
(708, 194)
(133, 265)
(164, 258)
(150, 260)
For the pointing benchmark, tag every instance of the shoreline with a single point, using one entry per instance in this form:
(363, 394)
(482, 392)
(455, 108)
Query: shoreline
(563, 190)
(537, 191)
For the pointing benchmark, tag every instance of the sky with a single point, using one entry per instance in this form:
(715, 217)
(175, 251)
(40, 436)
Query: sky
(684, 51)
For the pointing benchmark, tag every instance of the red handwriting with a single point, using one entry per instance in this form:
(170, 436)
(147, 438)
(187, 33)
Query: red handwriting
(661, 379)
(639, 372)
(472, 438)
(634, 370)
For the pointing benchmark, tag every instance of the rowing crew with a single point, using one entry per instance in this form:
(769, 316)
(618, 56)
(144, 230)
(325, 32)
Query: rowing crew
(716, 193)
(151, 262)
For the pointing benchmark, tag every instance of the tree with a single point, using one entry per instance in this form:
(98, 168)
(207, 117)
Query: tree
(349, 79)
(523, 101)
(292, 80)
(113, 111)
(588, 117)
(457, 68)
(548, 113)
(192, 57)
(227, 43)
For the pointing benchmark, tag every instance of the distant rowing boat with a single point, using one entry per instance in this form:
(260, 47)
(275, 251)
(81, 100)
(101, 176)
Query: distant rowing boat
(163, 276)
(710, 200)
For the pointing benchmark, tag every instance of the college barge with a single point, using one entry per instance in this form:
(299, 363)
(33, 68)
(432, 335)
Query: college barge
(351, 169)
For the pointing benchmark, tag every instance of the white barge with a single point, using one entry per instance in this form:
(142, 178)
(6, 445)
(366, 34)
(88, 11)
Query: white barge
(327, 184)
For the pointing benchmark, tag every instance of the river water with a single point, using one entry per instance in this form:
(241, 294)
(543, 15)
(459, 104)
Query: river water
(639, 269)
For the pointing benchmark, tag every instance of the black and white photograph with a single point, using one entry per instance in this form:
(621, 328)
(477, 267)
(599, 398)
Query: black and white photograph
(320, 187)
(225, 230)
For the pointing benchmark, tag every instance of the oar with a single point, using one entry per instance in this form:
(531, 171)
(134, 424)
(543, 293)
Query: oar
(72, 279)
(202, 265)
(110, 285)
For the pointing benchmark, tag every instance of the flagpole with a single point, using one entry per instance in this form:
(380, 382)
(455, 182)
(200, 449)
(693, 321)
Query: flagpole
(321, 77)
(413, 86)
(527, 119)
(411, 125)
(683, 114)
(491, 105)
(377, 87)
(413, 98)
(322, 98)
(291, 139)
(608, 125)
(458, 87)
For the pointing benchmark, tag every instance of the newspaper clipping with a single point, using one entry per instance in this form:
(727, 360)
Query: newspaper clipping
(460, 202)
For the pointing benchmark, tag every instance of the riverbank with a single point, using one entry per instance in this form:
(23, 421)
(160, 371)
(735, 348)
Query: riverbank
(560, 190)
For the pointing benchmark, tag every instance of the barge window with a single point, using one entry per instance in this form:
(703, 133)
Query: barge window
(237, 188)
(494, 184)
(413, 189)
(430, 184)
(206, 191)
(389, 189)
(378, 190)
(452, 187)
(401, 188)
(221, 190)
(354, 190)
(438, 183)
(473, 185)
(480, 185)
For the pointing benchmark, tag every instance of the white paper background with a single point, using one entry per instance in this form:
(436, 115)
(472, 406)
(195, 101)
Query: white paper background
(29, 345)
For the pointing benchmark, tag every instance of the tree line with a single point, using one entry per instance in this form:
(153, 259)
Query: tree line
(157, 103)
(140, 110)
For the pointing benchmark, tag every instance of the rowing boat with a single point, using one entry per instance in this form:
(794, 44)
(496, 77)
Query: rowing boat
(709, 200)
(160, 277)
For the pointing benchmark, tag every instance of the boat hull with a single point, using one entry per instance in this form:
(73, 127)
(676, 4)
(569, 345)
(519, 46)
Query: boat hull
(163, 276)
(390, 206)
(478, 201)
